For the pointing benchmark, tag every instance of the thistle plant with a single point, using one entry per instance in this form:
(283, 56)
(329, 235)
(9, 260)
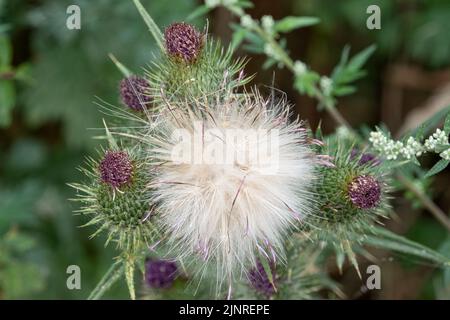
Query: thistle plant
(188, 186)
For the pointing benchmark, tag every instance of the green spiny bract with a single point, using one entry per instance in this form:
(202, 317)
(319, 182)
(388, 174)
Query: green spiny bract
(351, 194)
(119, 209)
(213, 70)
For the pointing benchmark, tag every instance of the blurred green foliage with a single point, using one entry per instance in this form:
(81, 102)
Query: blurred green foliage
(48, 132)
(409, 28)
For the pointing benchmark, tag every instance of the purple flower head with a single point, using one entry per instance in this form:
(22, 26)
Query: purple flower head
(116, 168)
(259, 279)
(134, 92)
(160, 274)
(364, 192)
(365, 158)
(183, 41)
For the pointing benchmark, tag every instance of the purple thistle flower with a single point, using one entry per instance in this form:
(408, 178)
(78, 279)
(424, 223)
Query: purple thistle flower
(183, 41)
(364, 192)
(259, 280)
(365, 158)
(160, 274)
(134, 92)
(116, 168)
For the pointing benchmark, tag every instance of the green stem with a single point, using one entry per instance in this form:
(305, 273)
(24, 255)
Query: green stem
(111, 276)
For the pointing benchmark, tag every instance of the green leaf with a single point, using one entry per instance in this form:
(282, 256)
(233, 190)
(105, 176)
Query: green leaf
(306, 83)
(438, 167)
(267, 269)
(7, 101)
(385, 239)
(129, 276)
(447, 123)
(290, 23)
(238, 36)
(429, 124)
(5, 52)
(361, 58)
(349, 70)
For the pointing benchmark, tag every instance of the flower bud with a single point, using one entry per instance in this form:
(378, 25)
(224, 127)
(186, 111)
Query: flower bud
(160, 274)
(183, 41)
(134, 92)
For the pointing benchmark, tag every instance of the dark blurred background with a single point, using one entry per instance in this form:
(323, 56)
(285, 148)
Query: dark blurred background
(50, 76)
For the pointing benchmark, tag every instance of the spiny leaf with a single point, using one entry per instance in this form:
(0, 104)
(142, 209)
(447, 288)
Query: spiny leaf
(129, 276)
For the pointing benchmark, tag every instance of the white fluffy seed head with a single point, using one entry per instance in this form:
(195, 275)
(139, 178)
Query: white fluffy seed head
(227, 210)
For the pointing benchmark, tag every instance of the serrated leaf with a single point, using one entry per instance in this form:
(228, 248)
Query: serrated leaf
(290, 23)
(438, 167)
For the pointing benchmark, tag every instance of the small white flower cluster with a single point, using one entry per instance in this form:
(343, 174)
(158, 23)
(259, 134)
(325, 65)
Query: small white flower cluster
(445, 154)
(326, 84)
(392, 149)
(271, 51)
(436, 140)
(247, 21)
(268, 23)
(299, 68)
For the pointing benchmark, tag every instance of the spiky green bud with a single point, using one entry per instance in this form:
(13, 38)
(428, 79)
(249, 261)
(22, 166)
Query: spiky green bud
(116, 199)
(349, 193)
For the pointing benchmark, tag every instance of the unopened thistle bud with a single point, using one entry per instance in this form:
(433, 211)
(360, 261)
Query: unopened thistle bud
(351, 192)
(117, 201)
(134, 92)
(160, 274)
(183, 41)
